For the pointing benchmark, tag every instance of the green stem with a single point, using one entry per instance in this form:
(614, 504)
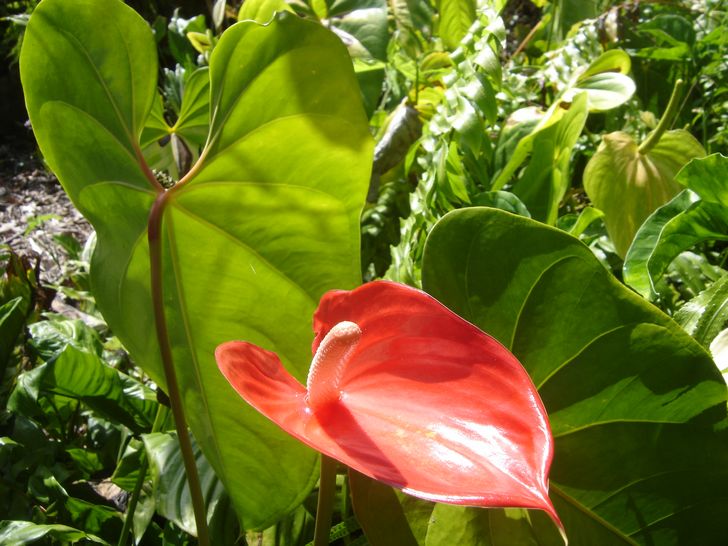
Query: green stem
(129, 519)
(165, 348)
(159, 419)
(325, 505)
(665, 121)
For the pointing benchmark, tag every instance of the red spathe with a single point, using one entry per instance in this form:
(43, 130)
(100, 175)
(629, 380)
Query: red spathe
(415, 397)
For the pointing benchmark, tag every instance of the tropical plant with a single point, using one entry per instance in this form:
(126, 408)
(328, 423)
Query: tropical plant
(251, 174)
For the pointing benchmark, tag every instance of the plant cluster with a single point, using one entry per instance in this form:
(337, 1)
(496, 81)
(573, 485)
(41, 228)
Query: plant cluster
(534, 196)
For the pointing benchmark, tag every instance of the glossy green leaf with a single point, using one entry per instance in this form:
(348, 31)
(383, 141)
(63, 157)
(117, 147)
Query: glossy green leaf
(705, 316)
(155, 127)
(50, 337)
(18, 533)
(613, 61)
(586, 217)
(83, 376)
(546, 178)
(719, 350)
(604, 91)
(632, 399)
(12, 321)
(628, 185)
(261, 11)
(503, 200)
(193, 121)
(668, 232)
(604, 81)
(172, 493)
(456, 16)
(605, 86)
(680, 224)
(518, 137)
(194, 115)
(379, 512)
(708, 177)
(252, 237)
(362, 26)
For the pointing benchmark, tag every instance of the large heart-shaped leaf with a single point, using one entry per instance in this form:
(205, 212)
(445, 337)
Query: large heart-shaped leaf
(633, 401)
(264, 223)
(628, 184)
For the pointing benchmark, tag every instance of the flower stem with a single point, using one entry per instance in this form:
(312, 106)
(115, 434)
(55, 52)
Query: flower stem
(154, 229)
(665, 121)
(129, 518)
(325, 505)
(159, 420)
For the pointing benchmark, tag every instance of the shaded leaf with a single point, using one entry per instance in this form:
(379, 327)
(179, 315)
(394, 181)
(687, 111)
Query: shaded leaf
(12, 321)
(379, 512)
(17, 533)
(361, 25)
(50, 337)
(115, 396)
(172, 493)
(503, 200)
(632, 399)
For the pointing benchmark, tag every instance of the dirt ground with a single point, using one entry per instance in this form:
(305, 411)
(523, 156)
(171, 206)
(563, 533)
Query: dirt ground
(34, 209)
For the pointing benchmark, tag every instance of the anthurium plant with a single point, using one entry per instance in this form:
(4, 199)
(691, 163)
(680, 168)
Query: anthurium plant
(517, 393)
(243, 246)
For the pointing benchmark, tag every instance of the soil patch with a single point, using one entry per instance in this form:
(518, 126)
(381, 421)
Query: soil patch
(34, 211)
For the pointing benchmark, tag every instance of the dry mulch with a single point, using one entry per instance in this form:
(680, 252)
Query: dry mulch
(34, 209)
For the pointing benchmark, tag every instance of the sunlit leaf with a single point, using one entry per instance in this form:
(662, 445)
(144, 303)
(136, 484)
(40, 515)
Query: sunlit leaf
(18, 533)
(547, 176)
(456, 16)
(253, 224)
(261, 11)
(628, 185)
(706, 315)
(680, 224)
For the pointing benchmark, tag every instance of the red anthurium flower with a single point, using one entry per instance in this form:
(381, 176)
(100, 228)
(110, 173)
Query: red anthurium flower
(405, 391)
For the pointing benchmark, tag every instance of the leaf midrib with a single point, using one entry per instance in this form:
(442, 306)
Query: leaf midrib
(556, 491)
(242, 93)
